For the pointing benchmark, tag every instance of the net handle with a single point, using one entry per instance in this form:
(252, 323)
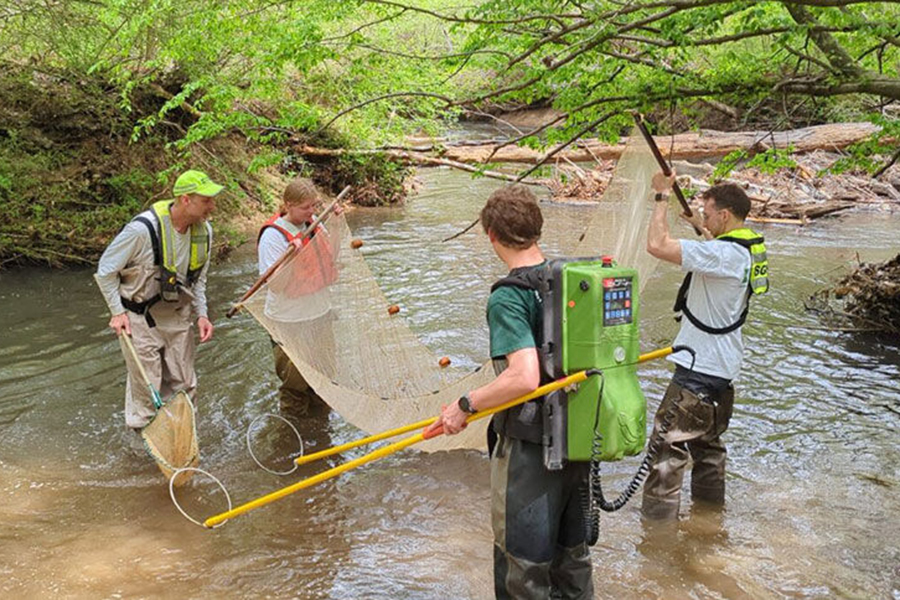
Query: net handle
(573, 379)
(253, 456)
(386, 451)
(642, 127)
(157, 400)
(284, 257)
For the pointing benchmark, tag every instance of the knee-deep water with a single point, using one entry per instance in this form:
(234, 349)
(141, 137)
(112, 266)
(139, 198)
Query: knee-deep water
(813, 489)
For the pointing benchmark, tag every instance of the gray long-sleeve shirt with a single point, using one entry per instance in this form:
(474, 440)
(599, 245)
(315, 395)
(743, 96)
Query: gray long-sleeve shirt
(133, 246)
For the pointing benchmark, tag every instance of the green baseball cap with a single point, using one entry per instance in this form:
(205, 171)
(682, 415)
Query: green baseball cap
(195, 182)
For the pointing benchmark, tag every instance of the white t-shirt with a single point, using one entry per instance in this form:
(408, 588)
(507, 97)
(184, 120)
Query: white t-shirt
(717, 297)
(272, 245)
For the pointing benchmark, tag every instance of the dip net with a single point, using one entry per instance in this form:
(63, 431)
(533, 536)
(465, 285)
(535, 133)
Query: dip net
(171, 438)
(326, 309)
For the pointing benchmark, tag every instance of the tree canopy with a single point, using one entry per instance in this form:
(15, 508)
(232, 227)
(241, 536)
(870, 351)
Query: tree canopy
(386, 67)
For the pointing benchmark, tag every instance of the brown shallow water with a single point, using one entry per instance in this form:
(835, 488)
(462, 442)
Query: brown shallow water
(813, 490)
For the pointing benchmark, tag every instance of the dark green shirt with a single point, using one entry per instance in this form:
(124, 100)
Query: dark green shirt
(514, 320)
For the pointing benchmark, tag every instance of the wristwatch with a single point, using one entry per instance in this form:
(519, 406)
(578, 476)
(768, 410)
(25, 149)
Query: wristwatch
(659, 197)
(465, 404)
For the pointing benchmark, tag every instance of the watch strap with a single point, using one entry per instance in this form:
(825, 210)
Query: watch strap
(465, 404)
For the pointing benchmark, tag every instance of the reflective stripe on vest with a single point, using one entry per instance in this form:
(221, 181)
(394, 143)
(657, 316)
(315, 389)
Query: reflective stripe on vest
(759, 265)
(168, 262)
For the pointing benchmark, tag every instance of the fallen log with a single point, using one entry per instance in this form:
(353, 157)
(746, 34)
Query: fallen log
(418, 159)
(694, 144)
(776, 221)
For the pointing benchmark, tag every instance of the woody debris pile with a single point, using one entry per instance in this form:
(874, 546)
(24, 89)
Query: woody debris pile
(871, 294)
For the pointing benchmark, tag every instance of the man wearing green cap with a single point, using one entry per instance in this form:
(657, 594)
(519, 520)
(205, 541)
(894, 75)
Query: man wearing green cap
(153, 276)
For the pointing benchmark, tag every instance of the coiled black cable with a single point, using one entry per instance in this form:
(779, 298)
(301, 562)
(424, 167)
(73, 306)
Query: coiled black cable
(593, 500)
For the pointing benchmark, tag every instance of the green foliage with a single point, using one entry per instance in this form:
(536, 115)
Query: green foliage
(870, 154)
(177, 75)
(132, 188)
(769, 161)
(264, 160)
(376, 178)
(727, 164)
(772, 160)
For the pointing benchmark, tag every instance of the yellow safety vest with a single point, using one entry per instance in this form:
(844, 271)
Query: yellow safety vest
(759, 265)
(164, 253)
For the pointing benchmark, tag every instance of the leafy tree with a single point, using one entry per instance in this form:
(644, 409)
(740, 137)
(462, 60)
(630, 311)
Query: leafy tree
(365, 71)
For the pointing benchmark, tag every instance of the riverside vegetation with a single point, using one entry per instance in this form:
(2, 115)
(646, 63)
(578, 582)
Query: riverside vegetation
(102, 102)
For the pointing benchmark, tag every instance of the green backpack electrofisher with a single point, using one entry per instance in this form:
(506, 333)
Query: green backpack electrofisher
(591, 313)
(590, 320)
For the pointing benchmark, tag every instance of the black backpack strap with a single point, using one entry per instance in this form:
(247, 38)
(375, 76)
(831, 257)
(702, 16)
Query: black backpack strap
(154, 239)
(528, 278)
(681, 306)
(525, 421)
(142, 308)
(681, 298)
(716, 330)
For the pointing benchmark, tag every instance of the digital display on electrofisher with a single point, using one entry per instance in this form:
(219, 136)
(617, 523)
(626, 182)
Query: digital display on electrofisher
(617, 309)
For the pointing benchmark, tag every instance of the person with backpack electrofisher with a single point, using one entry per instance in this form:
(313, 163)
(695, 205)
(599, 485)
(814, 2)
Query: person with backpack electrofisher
(299, 292)
(153, 277)
(540, 546)
(723, 272)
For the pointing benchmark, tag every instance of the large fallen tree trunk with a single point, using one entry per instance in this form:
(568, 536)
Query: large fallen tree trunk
(417, 158)
(700, 144)
(695, 144)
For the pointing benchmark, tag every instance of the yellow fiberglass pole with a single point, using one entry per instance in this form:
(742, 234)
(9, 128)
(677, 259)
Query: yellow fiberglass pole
(387, 450)
(573, 379)
(308, 458)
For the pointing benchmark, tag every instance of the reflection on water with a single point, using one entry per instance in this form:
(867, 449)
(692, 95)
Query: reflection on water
(813, 487)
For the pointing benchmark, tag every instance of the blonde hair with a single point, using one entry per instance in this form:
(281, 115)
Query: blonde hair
(299, 191)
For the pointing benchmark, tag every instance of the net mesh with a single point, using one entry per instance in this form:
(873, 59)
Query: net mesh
(326, 309)
(171, 438)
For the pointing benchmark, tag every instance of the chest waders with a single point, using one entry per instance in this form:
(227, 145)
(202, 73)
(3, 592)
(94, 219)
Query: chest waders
(591, 313)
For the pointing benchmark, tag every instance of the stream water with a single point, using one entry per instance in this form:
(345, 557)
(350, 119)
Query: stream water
(813, 487)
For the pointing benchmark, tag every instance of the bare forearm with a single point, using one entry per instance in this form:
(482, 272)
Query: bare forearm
(509, 385)
(658, 233)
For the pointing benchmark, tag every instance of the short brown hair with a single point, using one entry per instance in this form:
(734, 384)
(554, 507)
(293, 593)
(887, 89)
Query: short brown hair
(730, 196)
(299, 190)
(512, 214)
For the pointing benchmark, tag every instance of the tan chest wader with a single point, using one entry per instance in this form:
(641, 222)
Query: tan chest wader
(591, 313)
(171, 435)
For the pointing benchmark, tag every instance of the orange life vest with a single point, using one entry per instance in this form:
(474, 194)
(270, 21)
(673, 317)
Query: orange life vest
(312, 268)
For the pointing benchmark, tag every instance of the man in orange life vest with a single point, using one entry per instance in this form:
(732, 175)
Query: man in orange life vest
(298, 292)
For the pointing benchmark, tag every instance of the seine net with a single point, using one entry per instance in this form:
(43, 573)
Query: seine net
(325, 307)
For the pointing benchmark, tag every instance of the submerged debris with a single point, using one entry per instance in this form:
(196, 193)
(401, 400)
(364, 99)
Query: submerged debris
(872, 293)
(870, 296)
